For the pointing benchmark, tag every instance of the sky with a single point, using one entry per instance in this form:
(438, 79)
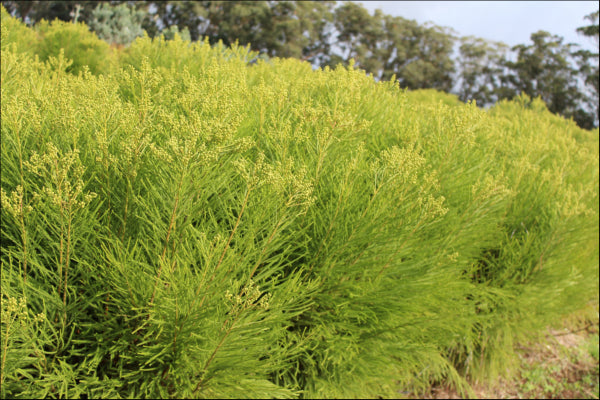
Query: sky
(511, 22)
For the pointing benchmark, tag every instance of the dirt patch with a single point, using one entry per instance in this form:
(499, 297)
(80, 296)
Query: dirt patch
(565, 366)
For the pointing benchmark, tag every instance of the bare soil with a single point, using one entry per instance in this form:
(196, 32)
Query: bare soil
(560, 368)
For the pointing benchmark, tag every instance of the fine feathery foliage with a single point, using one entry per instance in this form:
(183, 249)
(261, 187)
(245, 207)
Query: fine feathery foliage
(180, 222)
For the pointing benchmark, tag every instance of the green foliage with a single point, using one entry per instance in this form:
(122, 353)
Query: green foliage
(327, 33)
(14, 31)
(196, 57)
(189, 225)
(79, 45)
(591, 30)
(116, 24)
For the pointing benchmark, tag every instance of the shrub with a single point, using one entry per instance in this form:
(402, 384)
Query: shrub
(80, 45)
(189, 225)
(14, 31)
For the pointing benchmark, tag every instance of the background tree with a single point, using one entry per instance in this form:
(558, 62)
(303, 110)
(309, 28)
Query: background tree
(419, 55)
(167, 14)
(359, 36)
(547, 68)
(241, 21)
(588, 65)
(317, 24)
(591, 30)
(32, 12)
(430, 63)
(300, 29)
(118, 25)
(282, 29)
(480, 65)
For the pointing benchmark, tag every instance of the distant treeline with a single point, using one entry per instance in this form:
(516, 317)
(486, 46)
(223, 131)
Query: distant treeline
(326, 33)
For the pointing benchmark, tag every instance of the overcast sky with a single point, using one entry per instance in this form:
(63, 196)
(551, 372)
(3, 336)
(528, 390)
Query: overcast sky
(511, 22)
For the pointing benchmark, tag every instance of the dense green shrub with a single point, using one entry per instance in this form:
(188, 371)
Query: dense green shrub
(192, 225)
(15, 31)
(80, 45)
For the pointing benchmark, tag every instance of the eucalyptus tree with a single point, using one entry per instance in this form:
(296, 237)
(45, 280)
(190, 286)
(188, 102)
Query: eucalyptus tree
(283, 29)
(420, 56)
(592, 29)
(588, 64)
(480, 70)
(316, 29)
(429, 62)
(359, 36)
(548, 68)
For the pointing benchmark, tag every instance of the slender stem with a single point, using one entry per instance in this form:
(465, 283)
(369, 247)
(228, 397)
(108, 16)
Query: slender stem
(177, 244)
(173, 250)
(125, 211)
(173, 216)
(109, 205)
(337, 209)
(23, 231)
(575, 331)
(214, 353)
(354, 229)
(130, 291)
(169, 230)
(4, 351)
(109, 211)
(24, 239)
(228, 242)
(60, 264)
(67, 261)
(176, 331)
(262, 253)
(540, 264)
(397, 251)
(248, 189)
(237, 222)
